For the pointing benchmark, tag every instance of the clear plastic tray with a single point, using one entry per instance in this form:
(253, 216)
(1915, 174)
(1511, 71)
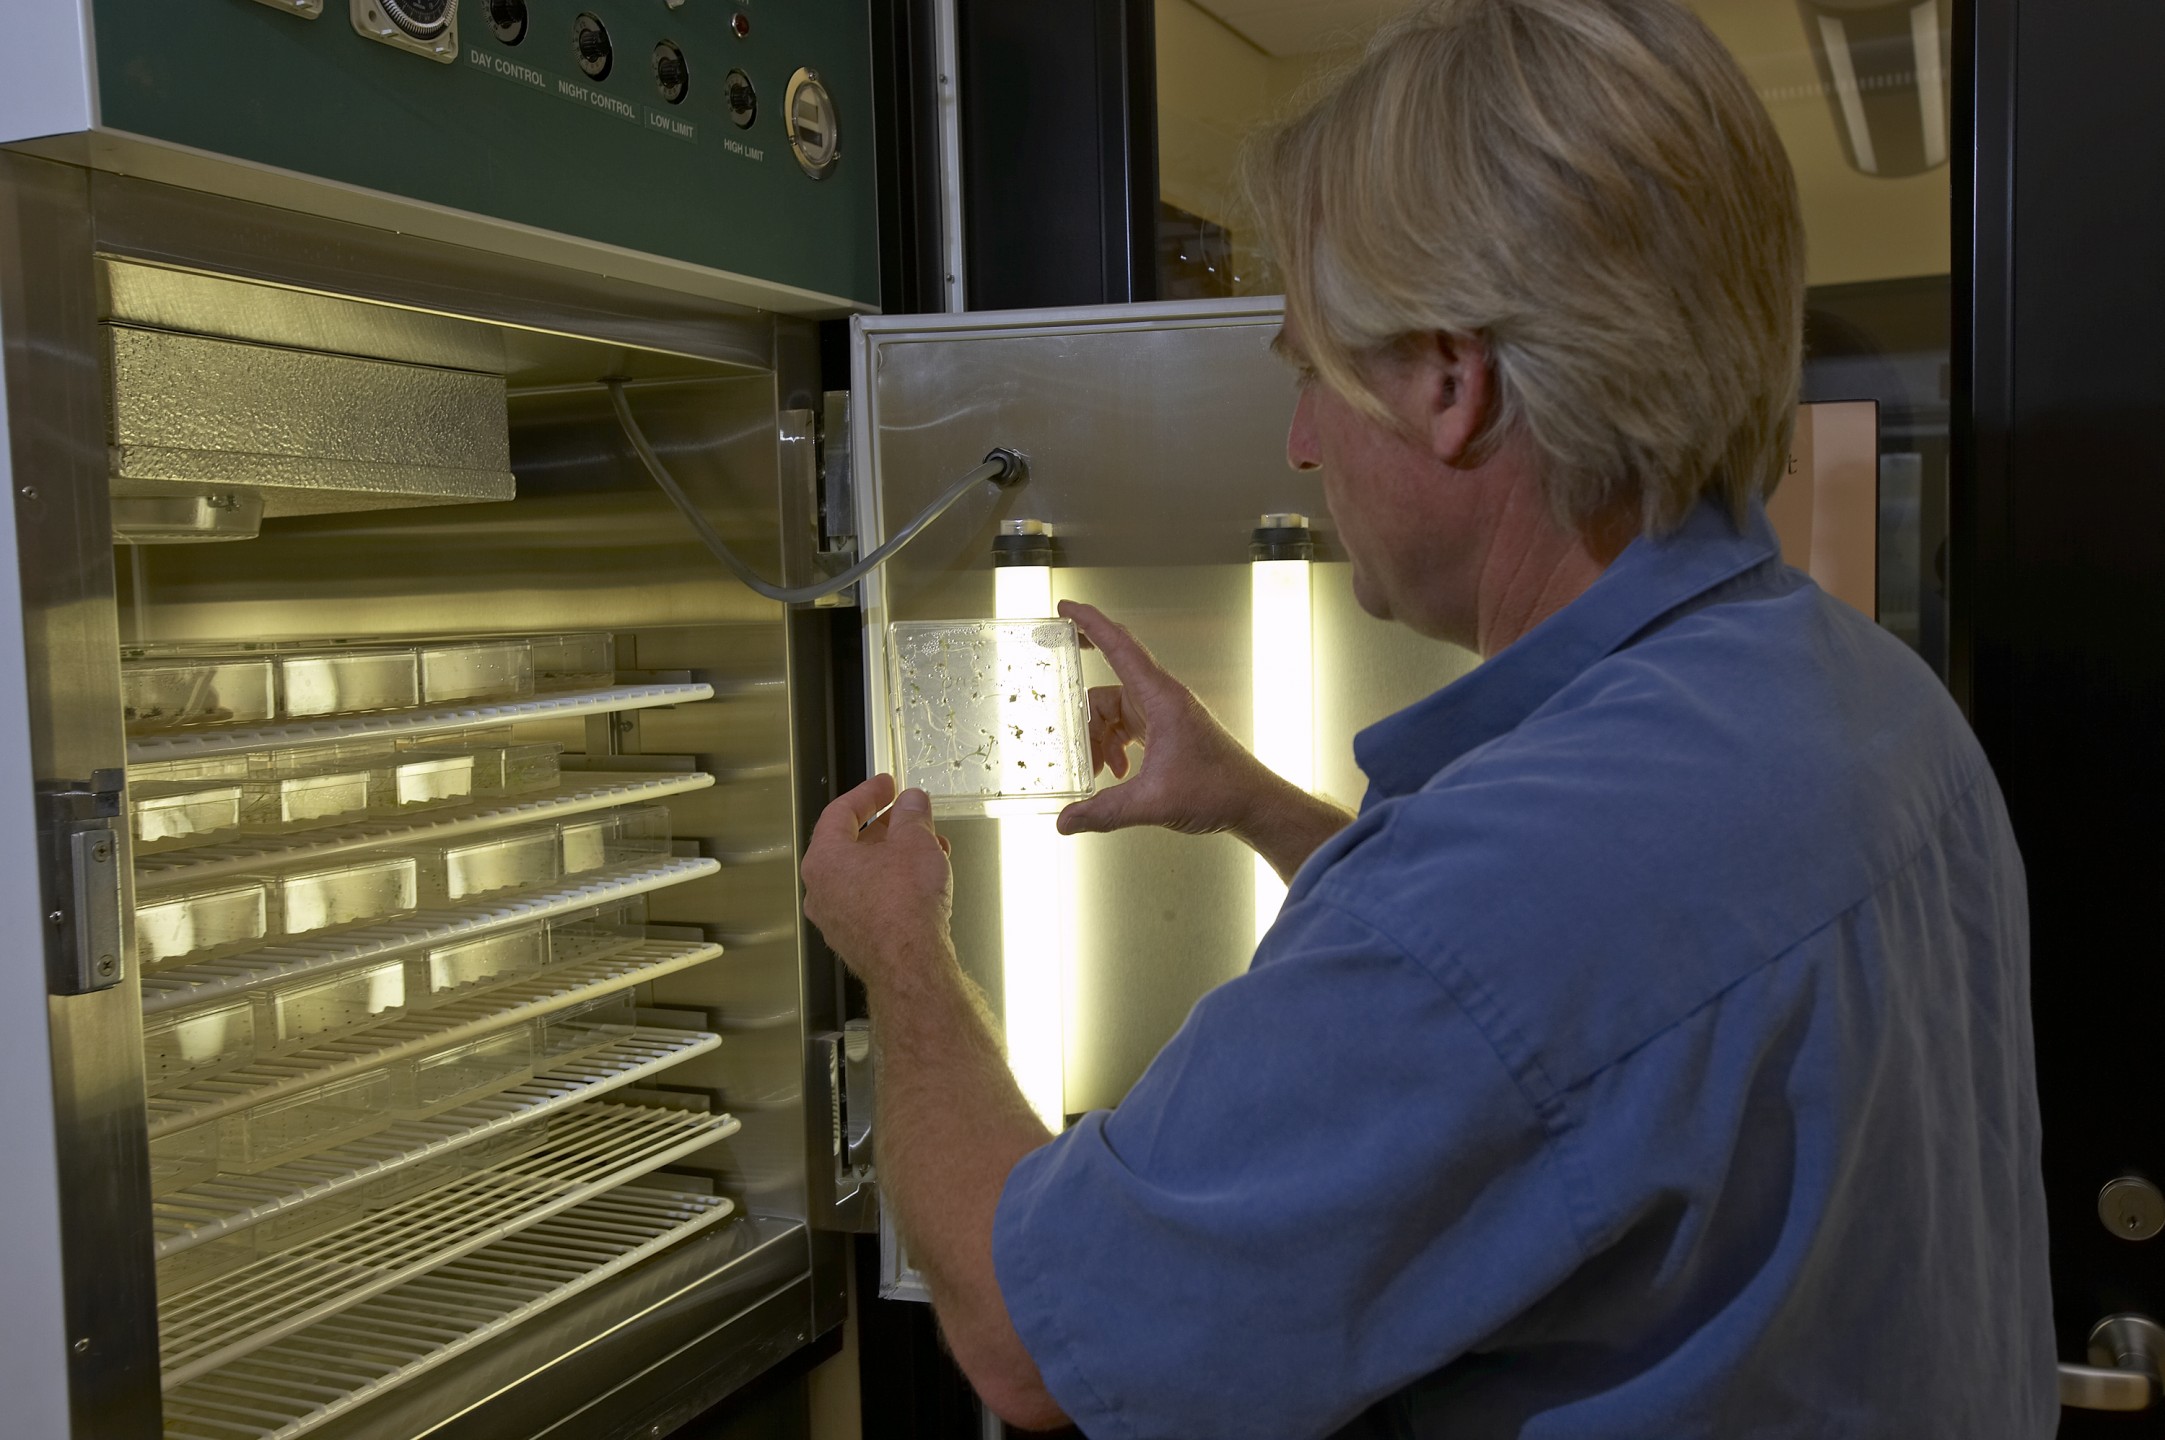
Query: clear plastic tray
(574, 662)
(523, 1138)
(616, 838)
(165, 692)
(523, 769)
(300, 801)
(411, 1179)
(491, 763)
(183, 1045)
(447, 971)
(580, 1030)
(465, 1072)
(349, 681)
(477, 670)
(989, 711)
(183, 1157)
(598, 933)
(197, 922)
(423, 778)
(284, 1229)
(168, 815)
(307, 1121)
(313, 1009)
(349, 891)
(505, 860)
(201, 1264)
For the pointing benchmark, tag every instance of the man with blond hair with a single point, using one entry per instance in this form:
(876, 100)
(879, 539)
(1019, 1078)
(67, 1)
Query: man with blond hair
(1650, 1056)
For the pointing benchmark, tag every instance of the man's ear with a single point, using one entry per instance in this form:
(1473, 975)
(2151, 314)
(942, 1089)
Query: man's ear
(1456, 392)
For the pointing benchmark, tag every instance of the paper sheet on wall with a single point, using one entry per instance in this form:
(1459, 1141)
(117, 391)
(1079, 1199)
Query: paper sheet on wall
(1826, 510)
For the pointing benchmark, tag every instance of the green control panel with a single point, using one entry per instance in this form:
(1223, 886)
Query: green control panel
(731, 134)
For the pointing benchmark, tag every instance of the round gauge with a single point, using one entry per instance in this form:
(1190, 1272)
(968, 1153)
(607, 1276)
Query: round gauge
(671, 75)
(422, 19)
(590, 42)
(808, 115)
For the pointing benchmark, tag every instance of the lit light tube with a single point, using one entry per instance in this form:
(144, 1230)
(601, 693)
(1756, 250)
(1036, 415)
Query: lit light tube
(1282, 648)
(1037, 878)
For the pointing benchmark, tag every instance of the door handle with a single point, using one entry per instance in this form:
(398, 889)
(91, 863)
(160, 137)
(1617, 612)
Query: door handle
(2126, 1369)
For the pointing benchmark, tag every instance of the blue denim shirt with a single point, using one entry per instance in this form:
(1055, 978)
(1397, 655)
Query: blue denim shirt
(1651, 1058)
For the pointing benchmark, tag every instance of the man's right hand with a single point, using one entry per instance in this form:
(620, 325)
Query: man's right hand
(1194, 776)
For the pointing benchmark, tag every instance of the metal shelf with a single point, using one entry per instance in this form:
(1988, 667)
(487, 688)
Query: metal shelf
(446, 1025)
(213, 979)
(227, 1203)
(292, 1386)
(595, 1146)
(581, 792)
(431, 720)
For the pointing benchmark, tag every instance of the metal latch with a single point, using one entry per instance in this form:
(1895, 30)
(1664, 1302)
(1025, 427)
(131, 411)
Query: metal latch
(84, 886)
(842, 1066)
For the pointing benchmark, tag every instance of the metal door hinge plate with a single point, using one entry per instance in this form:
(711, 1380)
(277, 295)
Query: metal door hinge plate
(85, 887)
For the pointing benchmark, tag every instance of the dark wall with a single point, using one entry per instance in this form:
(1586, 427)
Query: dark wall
(1059, 151)
(2059, 585)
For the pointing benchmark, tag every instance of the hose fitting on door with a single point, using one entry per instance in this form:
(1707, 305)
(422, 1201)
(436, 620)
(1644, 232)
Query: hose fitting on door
(1015, 466)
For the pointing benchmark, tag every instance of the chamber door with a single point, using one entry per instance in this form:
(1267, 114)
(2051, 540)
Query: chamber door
(1159, 492)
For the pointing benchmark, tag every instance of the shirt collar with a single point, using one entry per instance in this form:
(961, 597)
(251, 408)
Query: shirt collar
(1652, 577)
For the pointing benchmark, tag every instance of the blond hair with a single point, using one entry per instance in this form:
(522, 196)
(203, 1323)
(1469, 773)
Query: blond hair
(1593, 189)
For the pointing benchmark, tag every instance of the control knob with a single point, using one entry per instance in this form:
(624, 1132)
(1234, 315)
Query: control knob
(508, 19)
(590, 38)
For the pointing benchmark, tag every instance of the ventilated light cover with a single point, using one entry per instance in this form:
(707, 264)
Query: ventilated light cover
(310, 433)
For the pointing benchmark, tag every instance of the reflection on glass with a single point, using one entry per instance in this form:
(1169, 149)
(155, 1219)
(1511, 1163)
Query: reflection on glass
(1858, 91)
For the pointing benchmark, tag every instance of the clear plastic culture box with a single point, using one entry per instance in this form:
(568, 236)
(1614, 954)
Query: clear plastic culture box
(311, 1009)
(347, 892)
(164, 816)
(477, 670)
(617, 838)
(446, 971)
(182, 1158)
(503, 860)
(574, 662)
(598, 933)
(579, 1030)
(313, 1119)
(465, 1072)
(200, 920)
(184, 1045)
(170, 692)
(350, 681)
(989, 715)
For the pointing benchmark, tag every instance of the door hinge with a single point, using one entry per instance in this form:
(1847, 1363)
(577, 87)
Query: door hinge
(84, 885)
(842, 1067)
(838, 546)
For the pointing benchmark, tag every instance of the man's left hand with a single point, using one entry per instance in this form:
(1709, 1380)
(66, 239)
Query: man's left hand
(878, 885)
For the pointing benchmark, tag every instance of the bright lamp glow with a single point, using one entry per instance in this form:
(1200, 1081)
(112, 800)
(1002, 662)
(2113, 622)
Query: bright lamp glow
(1037, 910)
(1282, 640)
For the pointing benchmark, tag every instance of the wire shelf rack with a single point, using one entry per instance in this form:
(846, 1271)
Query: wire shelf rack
(228, 1203)
(323, 1370)
(214, 979)
(581, 793)
(449, 1024)
(593, 1147)
(430, 720)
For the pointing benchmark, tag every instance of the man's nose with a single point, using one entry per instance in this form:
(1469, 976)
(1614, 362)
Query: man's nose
(1301, 450)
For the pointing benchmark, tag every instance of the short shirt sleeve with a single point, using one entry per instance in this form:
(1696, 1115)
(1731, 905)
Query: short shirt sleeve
(1326, 1187)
